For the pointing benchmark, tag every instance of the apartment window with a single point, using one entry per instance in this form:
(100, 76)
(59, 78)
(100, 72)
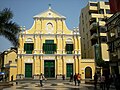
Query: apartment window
(93, 4)
(102, 29)
(28, 47)
(112, 33)
(49, 47)
(92, 20)
(106, 3)
(111, 47)
(83, 22)
(69, 48)
(94, 41)
(118, 31)
(107, 11)
(100, 19)
(103, 39)
(101, 11)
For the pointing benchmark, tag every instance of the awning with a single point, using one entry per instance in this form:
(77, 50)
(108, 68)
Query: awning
(2, 73)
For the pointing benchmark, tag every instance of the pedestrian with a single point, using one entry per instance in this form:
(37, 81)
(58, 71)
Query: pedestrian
(108, 81)
(117, 82)
(63, 76)
(95, 80)
(71, 77)
(79, 79)
(102, 82)
(12, 78)
(75, 78)
(41, 79)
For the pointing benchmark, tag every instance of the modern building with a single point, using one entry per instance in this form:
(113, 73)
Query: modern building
(113, 41)
(8, 63)
(92, 31)
(49, 47)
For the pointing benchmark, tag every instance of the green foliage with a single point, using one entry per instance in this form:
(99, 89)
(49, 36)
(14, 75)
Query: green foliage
(100, 63)
(9, 29)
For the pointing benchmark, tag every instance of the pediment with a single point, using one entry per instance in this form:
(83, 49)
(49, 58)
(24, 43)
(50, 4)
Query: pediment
(49, 14)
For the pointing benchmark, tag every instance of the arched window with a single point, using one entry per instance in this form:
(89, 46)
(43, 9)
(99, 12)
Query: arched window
(88, 72)
(28, 46)
(29, 40)
(69, 41)
(49, 27)
(69, 46)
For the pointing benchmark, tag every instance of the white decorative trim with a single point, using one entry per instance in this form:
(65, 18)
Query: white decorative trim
(70, 61)
(48, 28)
(28, 61)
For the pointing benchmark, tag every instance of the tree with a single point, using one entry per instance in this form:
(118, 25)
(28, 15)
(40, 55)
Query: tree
(100, 63)
(9, 29)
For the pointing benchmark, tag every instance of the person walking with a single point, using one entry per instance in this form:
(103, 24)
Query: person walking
(71, 77)
(41, 79)
(108, 81)
(117, 82)
(78, 79)
(102, 82)
(63, 76)
(75, 78)
(95, 80)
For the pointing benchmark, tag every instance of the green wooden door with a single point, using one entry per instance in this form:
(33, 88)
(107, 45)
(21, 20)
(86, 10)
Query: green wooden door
(49, 68)
(69, 69)
(28, 70)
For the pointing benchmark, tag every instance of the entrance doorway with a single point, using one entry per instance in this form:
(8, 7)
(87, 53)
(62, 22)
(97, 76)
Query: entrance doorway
(88, 73)
(69, 69)
(49, 68)
(28, 70)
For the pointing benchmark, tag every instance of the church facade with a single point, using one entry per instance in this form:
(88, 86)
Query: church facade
(49, 47)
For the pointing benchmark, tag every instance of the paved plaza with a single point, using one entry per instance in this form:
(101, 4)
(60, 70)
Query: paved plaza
(50, 85)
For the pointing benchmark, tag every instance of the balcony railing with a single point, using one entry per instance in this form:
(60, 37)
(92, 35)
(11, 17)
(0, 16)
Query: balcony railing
(94, 36)
(93, 26)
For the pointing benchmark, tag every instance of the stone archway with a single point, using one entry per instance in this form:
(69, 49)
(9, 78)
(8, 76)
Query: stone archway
(88, 73)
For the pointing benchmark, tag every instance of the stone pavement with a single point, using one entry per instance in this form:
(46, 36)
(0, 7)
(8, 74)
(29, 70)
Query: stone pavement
(50, 85)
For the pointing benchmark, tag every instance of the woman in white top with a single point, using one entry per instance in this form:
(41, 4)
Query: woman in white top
(41, 79)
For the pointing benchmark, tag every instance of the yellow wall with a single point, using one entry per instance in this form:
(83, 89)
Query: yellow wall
(38, 33)
(10, 63)
(84, 63)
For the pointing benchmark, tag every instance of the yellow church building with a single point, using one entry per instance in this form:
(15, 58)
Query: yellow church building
(49, 47)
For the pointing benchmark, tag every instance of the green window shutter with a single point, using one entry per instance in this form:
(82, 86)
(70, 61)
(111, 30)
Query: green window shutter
(69, 48)
(49, 47)
(55, 47)
(28, 47)
(43, 46)
(49, 41)
(25, 46)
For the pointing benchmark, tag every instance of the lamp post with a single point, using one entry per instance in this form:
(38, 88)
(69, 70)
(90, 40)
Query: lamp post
(98, 54)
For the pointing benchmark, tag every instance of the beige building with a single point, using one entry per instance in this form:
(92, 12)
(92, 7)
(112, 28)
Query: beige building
(113, 37)
(49, 47)
(93, 32)
(8, 63)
